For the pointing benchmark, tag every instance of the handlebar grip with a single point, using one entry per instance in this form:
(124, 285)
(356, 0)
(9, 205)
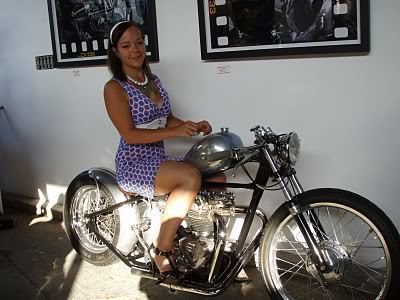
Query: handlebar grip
(217, 155)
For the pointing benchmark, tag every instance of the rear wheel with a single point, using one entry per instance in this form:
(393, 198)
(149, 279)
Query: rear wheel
(362, 244)
(85, 196)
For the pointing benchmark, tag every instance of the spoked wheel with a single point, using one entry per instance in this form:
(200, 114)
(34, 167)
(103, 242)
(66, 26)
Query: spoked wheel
(89, 199)
(360, 242)
(84, 196)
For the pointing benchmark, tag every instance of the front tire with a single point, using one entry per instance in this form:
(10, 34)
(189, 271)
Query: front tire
(362, 242)
(85, 196)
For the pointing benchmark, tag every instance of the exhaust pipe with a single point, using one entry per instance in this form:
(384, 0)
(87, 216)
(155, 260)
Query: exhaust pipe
(173, 286)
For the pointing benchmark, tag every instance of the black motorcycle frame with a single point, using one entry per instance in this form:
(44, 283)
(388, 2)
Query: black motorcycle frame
(267, 169)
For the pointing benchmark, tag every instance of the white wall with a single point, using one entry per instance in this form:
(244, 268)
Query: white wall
(344, 108)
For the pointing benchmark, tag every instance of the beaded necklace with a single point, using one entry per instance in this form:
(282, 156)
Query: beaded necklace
(145, 87)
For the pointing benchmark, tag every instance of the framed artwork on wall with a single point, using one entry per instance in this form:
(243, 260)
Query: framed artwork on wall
(80, 28)
(251, 28)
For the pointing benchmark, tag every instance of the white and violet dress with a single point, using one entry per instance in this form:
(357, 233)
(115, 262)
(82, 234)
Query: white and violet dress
(137, 164)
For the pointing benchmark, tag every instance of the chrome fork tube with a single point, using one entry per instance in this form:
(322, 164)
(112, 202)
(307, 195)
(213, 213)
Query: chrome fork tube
(296, 184)
(288, 193)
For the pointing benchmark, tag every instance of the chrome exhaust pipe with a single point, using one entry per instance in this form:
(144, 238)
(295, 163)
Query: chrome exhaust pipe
(149, 275)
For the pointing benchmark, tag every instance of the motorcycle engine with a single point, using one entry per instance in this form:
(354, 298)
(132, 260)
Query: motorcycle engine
(207, 206)
(196, 237)
(197, 247)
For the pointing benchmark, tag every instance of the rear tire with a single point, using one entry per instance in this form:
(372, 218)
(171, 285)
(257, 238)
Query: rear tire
(361, 239)
(82, 198)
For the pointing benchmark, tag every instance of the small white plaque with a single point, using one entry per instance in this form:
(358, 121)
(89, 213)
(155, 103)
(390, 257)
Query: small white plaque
(224, 70)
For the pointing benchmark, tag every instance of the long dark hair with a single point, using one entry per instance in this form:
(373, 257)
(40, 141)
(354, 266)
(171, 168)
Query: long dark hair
(114, 63)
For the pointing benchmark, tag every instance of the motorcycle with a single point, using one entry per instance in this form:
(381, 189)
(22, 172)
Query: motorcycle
(320, 244)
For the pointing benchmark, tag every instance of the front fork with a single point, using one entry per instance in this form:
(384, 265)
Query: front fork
(317, 256)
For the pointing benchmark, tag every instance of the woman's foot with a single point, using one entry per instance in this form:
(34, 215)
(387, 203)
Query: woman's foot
(161, 259)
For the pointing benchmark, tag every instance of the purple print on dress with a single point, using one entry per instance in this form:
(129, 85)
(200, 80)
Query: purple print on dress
(137, 164)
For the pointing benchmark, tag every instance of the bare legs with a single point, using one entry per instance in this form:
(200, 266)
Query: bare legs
(182, 182)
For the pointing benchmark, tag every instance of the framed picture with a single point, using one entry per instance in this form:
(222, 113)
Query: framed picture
(249, 28)
(80, 28)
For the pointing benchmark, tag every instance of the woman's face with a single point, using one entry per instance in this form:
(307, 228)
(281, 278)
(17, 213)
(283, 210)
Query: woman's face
(131, 48)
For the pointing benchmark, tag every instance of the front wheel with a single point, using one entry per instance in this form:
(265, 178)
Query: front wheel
(360, 242)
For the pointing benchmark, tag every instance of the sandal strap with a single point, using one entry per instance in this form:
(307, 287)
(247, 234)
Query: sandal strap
(157, 251)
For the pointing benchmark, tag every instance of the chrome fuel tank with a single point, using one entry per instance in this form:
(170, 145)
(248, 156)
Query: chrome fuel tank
(213, 143)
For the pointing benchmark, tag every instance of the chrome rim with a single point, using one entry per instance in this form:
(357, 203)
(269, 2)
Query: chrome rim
(360, 263)
(89, 199)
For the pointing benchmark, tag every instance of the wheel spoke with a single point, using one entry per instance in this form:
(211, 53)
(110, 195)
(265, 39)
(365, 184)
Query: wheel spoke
(333, 226)
(364, 268)
(105, 229)
(306, 289)
(298, 274)
(288, 262)
(357, 289)
(294, 273)
(291, 249)
(296, 251)
(363, 241)
(320, 231)
(108, 218)
(363, 247)
(340, 222)
(375, 260)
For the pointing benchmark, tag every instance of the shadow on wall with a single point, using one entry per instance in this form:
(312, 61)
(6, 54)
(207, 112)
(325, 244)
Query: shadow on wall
(15, 160)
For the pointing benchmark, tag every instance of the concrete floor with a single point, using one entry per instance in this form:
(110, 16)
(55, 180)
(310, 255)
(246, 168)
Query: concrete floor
(37, 262)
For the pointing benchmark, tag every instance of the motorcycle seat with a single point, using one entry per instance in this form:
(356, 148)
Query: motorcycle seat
(129, 194)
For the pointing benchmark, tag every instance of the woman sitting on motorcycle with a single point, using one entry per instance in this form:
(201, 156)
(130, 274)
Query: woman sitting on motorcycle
(139, 107)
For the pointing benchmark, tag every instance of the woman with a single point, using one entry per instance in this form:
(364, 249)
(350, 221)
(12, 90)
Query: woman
(139, 107)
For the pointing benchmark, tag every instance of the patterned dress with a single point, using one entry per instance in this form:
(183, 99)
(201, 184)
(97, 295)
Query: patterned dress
(137, 164)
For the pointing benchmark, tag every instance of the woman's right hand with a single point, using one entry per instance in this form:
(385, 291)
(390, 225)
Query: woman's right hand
(187, 128)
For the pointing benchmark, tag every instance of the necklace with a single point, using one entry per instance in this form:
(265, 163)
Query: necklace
(145, 86)
(143, 83)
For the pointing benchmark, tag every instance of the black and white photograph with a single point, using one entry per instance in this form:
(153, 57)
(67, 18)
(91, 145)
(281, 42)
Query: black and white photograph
(80, 28)
(246, 28)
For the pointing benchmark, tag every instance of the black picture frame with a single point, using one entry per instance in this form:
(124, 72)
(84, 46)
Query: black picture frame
(80, 29)
(255, 28)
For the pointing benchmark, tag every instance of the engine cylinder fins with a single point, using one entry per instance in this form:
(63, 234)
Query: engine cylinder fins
(200, 225)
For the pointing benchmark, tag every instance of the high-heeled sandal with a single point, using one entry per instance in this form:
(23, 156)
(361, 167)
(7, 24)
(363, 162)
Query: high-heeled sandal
(172, 275)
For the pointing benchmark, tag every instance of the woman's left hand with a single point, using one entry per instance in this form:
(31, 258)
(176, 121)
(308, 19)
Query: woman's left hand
(205, 127)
